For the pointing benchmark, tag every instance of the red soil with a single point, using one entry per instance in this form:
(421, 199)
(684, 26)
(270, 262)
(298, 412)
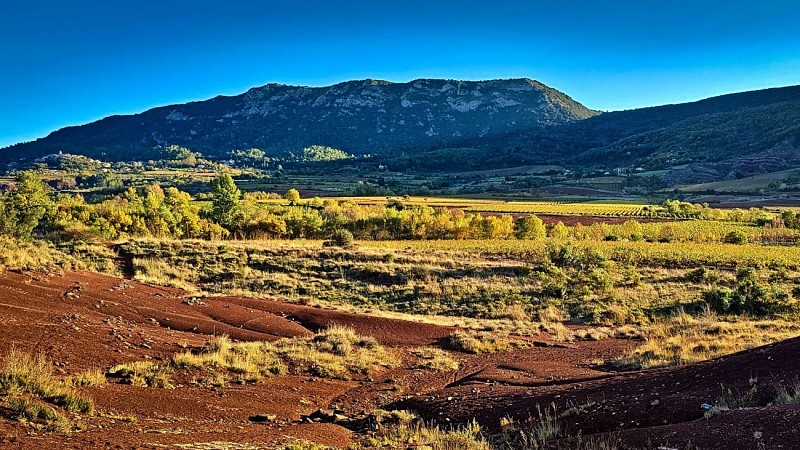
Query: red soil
(84, 320)
(662, 406)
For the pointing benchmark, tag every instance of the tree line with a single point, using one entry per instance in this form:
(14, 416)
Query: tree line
(159, 212)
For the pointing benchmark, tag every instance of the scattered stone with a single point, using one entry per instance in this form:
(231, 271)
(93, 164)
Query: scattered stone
(194, 301)
(323, 416)
(260, 418)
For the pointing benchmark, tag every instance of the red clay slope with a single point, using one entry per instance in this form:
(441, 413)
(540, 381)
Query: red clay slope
(658, 405)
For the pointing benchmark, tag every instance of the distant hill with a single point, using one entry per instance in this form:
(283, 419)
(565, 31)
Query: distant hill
(739, 134)
(359, 117)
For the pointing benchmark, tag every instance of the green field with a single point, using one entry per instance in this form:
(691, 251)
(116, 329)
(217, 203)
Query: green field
(747, 185)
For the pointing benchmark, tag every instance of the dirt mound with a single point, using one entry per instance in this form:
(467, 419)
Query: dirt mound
(639, 402)
(89, 297)
(387, 331)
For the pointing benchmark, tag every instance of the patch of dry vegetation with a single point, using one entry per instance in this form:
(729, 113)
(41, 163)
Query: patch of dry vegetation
(35, 256)
(685, 339)
(435, 359)
(544, 429)
(162, 273)
(305, 445)
(92, 377)
(31, 390)
(471, 341)
(143, 374)
(401, 429)
(336, 352)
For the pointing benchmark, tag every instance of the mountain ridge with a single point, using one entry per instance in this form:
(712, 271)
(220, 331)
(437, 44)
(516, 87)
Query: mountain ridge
(360, 116)
(438, 125)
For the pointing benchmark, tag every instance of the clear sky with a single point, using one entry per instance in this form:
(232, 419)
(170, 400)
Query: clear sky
(71, 62)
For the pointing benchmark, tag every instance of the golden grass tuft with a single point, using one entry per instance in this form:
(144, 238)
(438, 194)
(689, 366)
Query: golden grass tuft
(143, 374)
(33, 256)
(400, 429)
(92, 377)
(29, 383)
(435, 359)
(250, 361)
(483, 342)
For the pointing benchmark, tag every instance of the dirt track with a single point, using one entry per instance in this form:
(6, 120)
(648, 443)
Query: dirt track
(84, 320)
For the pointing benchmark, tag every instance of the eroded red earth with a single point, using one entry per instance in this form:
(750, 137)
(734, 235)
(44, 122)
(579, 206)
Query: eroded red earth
(83, 320)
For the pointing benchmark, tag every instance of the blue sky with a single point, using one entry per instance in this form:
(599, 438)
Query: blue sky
(66, 63)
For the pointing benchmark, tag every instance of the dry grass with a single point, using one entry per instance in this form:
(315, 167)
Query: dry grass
(776, 394)
(336, 352)
(162, 273)
(93, 377)
(685, 339)
(28, 383)
(33, 256)
(250, 361)
(543, 429)
(399, 429)
(788, 395)
(24, 373)
(435, 359)
(143, 374)
(222, 445)
(303, 444)
(483, 342)
(43, 416)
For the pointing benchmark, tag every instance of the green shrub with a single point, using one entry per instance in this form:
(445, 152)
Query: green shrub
(718, 299)
(702, 275)
(570, 256)
(749, 296)
(340, 238)
(735, 237)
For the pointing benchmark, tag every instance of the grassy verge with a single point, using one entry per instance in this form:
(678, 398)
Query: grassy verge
(496, 288)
